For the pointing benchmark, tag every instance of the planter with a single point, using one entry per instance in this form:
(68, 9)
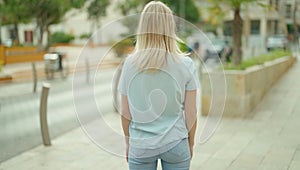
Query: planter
(246, 88)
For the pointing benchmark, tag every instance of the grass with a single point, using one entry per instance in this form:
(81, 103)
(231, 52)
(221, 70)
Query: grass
(259, 60)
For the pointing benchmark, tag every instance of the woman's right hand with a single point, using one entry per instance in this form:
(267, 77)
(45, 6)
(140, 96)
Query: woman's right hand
(127, 150)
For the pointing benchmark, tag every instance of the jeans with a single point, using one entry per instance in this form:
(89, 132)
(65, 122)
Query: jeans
(177, 158)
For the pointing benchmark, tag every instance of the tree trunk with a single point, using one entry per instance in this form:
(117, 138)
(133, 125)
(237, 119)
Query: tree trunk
(41, 36)
(48, 36)
(0, 31)
(247, 26)
(295, 24)
(16, 31)
(40, 41)
(237, 30)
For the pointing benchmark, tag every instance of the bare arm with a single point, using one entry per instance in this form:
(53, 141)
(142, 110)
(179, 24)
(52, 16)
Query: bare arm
(125, 118)
(191, 116)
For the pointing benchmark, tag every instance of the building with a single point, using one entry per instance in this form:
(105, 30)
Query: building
(259, 22)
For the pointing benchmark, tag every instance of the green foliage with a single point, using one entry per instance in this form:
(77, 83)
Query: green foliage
(85, 36)
(15, 11)
(61, 37)
(218, 9)
(190, 10)
(129, 6)
(44, 12)
(258, 60)
(47, 13)
(126, 45)
(97, 8)
(77, 3)
(183, 46)
(123, 47)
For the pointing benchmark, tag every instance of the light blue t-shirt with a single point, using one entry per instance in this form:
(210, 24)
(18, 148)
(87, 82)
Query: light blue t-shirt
(156, 102)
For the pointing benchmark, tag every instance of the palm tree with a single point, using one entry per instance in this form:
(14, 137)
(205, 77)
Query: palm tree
(237, 24)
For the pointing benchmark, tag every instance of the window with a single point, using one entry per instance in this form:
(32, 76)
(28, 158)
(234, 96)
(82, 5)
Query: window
(12, 34)
(28, 37)
(274, 4)
(255, 27)
(227, 28)
(288, 11)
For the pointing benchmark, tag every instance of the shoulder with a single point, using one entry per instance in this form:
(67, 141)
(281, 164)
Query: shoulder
(127, 61)
(187, 61)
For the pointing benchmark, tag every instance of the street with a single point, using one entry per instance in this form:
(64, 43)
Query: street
(19, 114)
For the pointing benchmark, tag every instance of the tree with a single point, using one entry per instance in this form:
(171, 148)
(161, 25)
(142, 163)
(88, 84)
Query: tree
(182, 8)
(96, 10)
(295, 24)
(15, 12)
(237, 24)
(49, 12)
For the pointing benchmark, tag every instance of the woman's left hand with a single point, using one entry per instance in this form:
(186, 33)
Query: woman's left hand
(191, 151)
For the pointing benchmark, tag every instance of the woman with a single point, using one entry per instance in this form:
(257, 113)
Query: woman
(158, 85)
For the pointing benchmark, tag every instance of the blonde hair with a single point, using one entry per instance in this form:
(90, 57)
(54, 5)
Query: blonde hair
(156, 37)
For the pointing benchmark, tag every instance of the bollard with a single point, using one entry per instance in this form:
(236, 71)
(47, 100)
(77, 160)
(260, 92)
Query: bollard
(43, 115)
(34, 77)
(87, 67)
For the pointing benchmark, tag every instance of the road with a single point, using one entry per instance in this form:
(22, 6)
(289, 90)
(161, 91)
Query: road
(19, 114)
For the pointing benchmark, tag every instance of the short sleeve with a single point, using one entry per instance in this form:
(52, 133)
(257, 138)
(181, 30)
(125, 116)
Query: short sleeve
(193, 79)
(122, 86)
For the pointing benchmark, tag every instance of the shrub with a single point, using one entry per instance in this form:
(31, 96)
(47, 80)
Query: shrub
(85, 36)
(123, 47)
(183, 47)
(258, 60)
(61, 37)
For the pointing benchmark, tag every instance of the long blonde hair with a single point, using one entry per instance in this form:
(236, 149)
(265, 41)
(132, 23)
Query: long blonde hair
(156, 37)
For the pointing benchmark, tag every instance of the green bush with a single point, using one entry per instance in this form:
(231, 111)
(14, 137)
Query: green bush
(183, 47)
(61, 37)
(258, 60)
(85, 36)
(123, 47)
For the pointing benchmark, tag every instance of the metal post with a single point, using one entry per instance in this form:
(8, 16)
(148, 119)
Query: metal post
(87, 67)
(34, 77)
(43, 115)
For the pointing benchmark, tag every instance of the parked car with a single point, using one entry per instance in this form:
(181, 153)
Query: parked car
(217, 48)
(277, 41)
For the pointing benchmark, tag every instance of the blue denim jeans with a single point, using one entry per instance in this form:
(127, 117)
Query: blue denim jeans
(177, 158)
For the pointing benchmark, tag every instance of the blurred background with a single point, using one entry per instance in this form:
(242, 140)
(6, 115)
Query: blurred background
(41, 41)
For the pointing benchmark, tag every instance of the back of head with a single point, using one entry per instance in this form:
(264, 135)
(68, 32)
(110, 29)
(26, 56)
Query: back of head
(156, 37)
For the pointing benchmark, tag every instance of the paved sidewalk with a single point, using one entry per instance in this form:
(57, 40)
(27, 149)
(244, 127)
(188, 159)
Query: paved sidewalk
(268, 138)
